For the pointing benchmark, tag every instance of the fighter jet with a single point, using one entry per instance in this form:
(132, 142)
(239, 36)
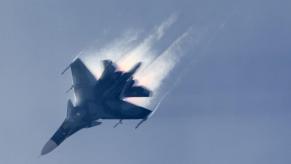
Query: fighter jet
(99, 99)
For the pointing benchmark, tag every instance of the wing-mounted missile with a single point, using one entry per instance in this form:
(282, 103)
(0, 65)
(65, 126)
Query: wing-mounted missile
(142, 121)
(65, 70)
(119, 122)
(68, 90)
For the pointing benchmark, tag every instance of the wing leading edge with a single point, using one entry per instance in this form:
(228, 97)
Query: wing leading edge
(83, 81)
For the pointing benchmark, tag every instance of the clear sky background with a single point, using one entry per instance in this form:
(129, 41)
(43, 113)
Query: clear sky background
(231, 107)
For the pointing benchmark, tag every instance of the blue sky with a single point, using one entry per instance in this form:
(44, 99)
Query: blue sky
(231, 105)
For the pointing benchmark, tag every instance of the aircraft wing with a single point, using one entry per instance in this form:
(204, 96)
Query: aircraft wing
(125, 110)
(83, 81)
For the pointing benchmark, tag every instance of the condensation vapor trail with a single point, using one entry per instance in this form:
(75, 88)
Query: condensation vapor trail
(127, 54)
(128, 50)
(155, 73)
(186, 70)
(172, 87)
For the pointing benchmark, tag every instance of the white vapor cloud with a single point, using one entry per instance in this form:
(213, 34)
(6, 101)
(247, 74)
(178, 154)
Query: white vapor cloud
(128, 50)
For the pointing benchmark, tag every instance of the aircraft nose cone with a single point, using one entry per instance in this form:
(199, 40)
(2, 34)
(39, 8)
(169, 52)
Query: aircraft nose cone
(48, 147)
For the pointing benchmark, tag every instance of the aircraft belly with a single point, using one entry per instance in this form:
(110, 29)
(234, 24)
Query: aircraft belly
(98, 111)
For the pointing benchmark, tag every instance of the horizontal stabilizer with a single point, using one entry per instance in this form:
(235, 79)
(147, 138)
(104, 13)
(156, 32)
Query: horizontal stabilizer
(126, 110)
(137, 91)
